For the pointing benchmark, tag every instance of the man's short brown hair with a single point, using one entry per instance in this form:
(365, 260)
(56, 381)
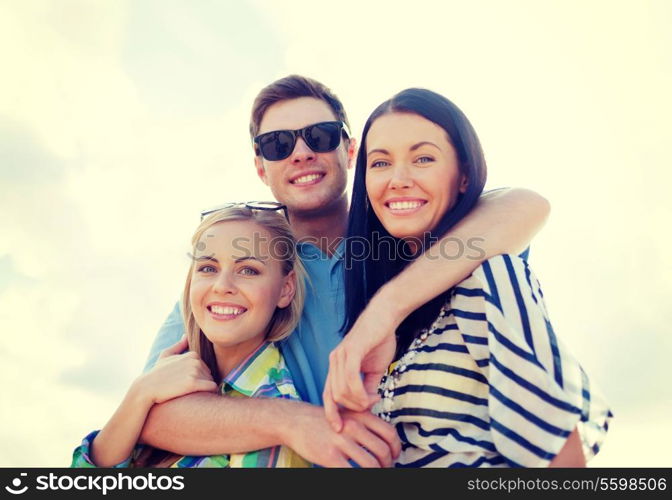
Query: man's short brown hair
(293, 87)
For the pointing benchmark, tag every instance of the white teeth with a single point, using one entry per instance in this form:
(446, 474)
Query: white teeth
(227, 310)
(306, 178)
(404, 205)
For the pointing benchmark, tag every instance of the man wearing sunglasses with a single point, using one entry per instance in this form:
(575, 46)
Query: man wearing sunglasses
(303, 150)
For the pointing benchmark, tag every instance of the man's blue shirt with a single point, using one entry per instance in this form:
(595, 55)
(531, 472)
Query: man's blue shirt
(306, 350)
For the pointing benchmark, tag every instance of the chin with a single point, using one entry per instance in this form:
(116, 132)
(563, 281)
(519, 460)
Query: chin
(402, 233)
(220, 337)
(316, 204)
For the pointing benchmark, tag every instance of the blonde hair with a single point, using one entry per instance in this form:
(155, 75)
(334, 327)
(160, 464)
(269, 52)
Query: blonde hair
(284, 320)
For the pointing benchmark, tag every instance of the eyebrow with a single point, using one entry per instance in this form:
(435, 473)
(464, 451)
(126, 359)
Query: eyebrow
(212, 259)
(424, 143)
(412, 148)
(250, 257)
(207, 257)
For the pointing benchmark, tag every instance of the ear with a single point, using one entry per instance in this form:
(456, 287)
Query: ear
(261, 171)
(464, 183)
(352, 152)
(288, 290)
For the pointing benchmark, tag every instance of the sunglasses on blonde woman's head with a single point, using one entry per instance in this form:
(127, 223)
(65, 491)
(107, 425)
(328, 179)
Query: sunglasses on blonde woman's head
(320, 137)
(270, 206)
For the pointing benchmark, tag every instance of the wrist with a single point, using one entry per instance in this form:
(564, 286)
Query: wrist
(138, 394)
(389, 305)
(289, 421)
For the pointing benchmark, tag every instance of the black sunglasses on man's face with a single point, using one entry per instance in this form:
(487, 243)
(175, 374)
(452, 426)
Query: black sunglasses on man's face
(320, 137)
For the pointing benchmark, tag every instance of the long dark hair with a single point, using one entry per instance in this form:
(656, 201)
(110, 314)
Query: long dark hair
(363, 277)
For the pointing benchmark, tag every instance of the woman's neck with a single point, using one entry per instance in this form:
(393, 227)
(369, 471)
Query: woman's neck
(230, 357)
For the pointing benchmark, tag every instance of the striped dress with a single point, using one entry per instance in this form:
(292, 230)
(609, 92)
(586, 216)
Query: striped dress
(262, 374)
(489, 384)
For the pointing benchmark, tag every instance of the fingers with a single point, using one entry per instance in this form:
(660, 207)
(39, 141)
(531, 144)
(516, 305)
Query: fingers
(196, 368)
(345, 382)
(377, 447)
(183, 380)
(371, 382)
(353, 378)
(380, 428)
(331, 408)
(204, 371)
(366, 439)
(188, 363)
(342, 463)
(176, 348)
(350, 447)
(338, 462)
(205, 386)
(338, 384)
(337, 459)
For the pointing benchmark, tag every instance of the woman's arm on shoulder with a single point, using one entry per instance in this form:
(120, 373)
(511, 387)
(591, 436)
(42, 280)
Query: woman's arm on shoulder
(115, 442)
(174, 375)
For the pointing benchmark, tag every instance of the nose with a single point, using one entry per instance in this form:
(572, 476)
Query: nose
(302, 153)
(401, 178)
(224, 284)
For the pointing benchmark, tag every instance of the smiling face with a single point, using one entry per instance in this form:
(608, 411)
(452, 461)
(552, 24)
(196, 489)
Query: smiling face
(236, 285)
(412, 173)
(305, 181)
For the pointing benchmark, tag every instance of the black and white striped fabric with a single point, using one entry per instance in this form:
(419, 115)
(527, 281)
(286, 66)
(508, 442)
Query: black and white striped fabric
(493, 386)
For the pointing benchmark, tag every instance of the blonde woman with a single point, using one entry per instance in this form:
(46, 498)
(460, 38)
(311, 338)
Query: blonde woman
(244, 291)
